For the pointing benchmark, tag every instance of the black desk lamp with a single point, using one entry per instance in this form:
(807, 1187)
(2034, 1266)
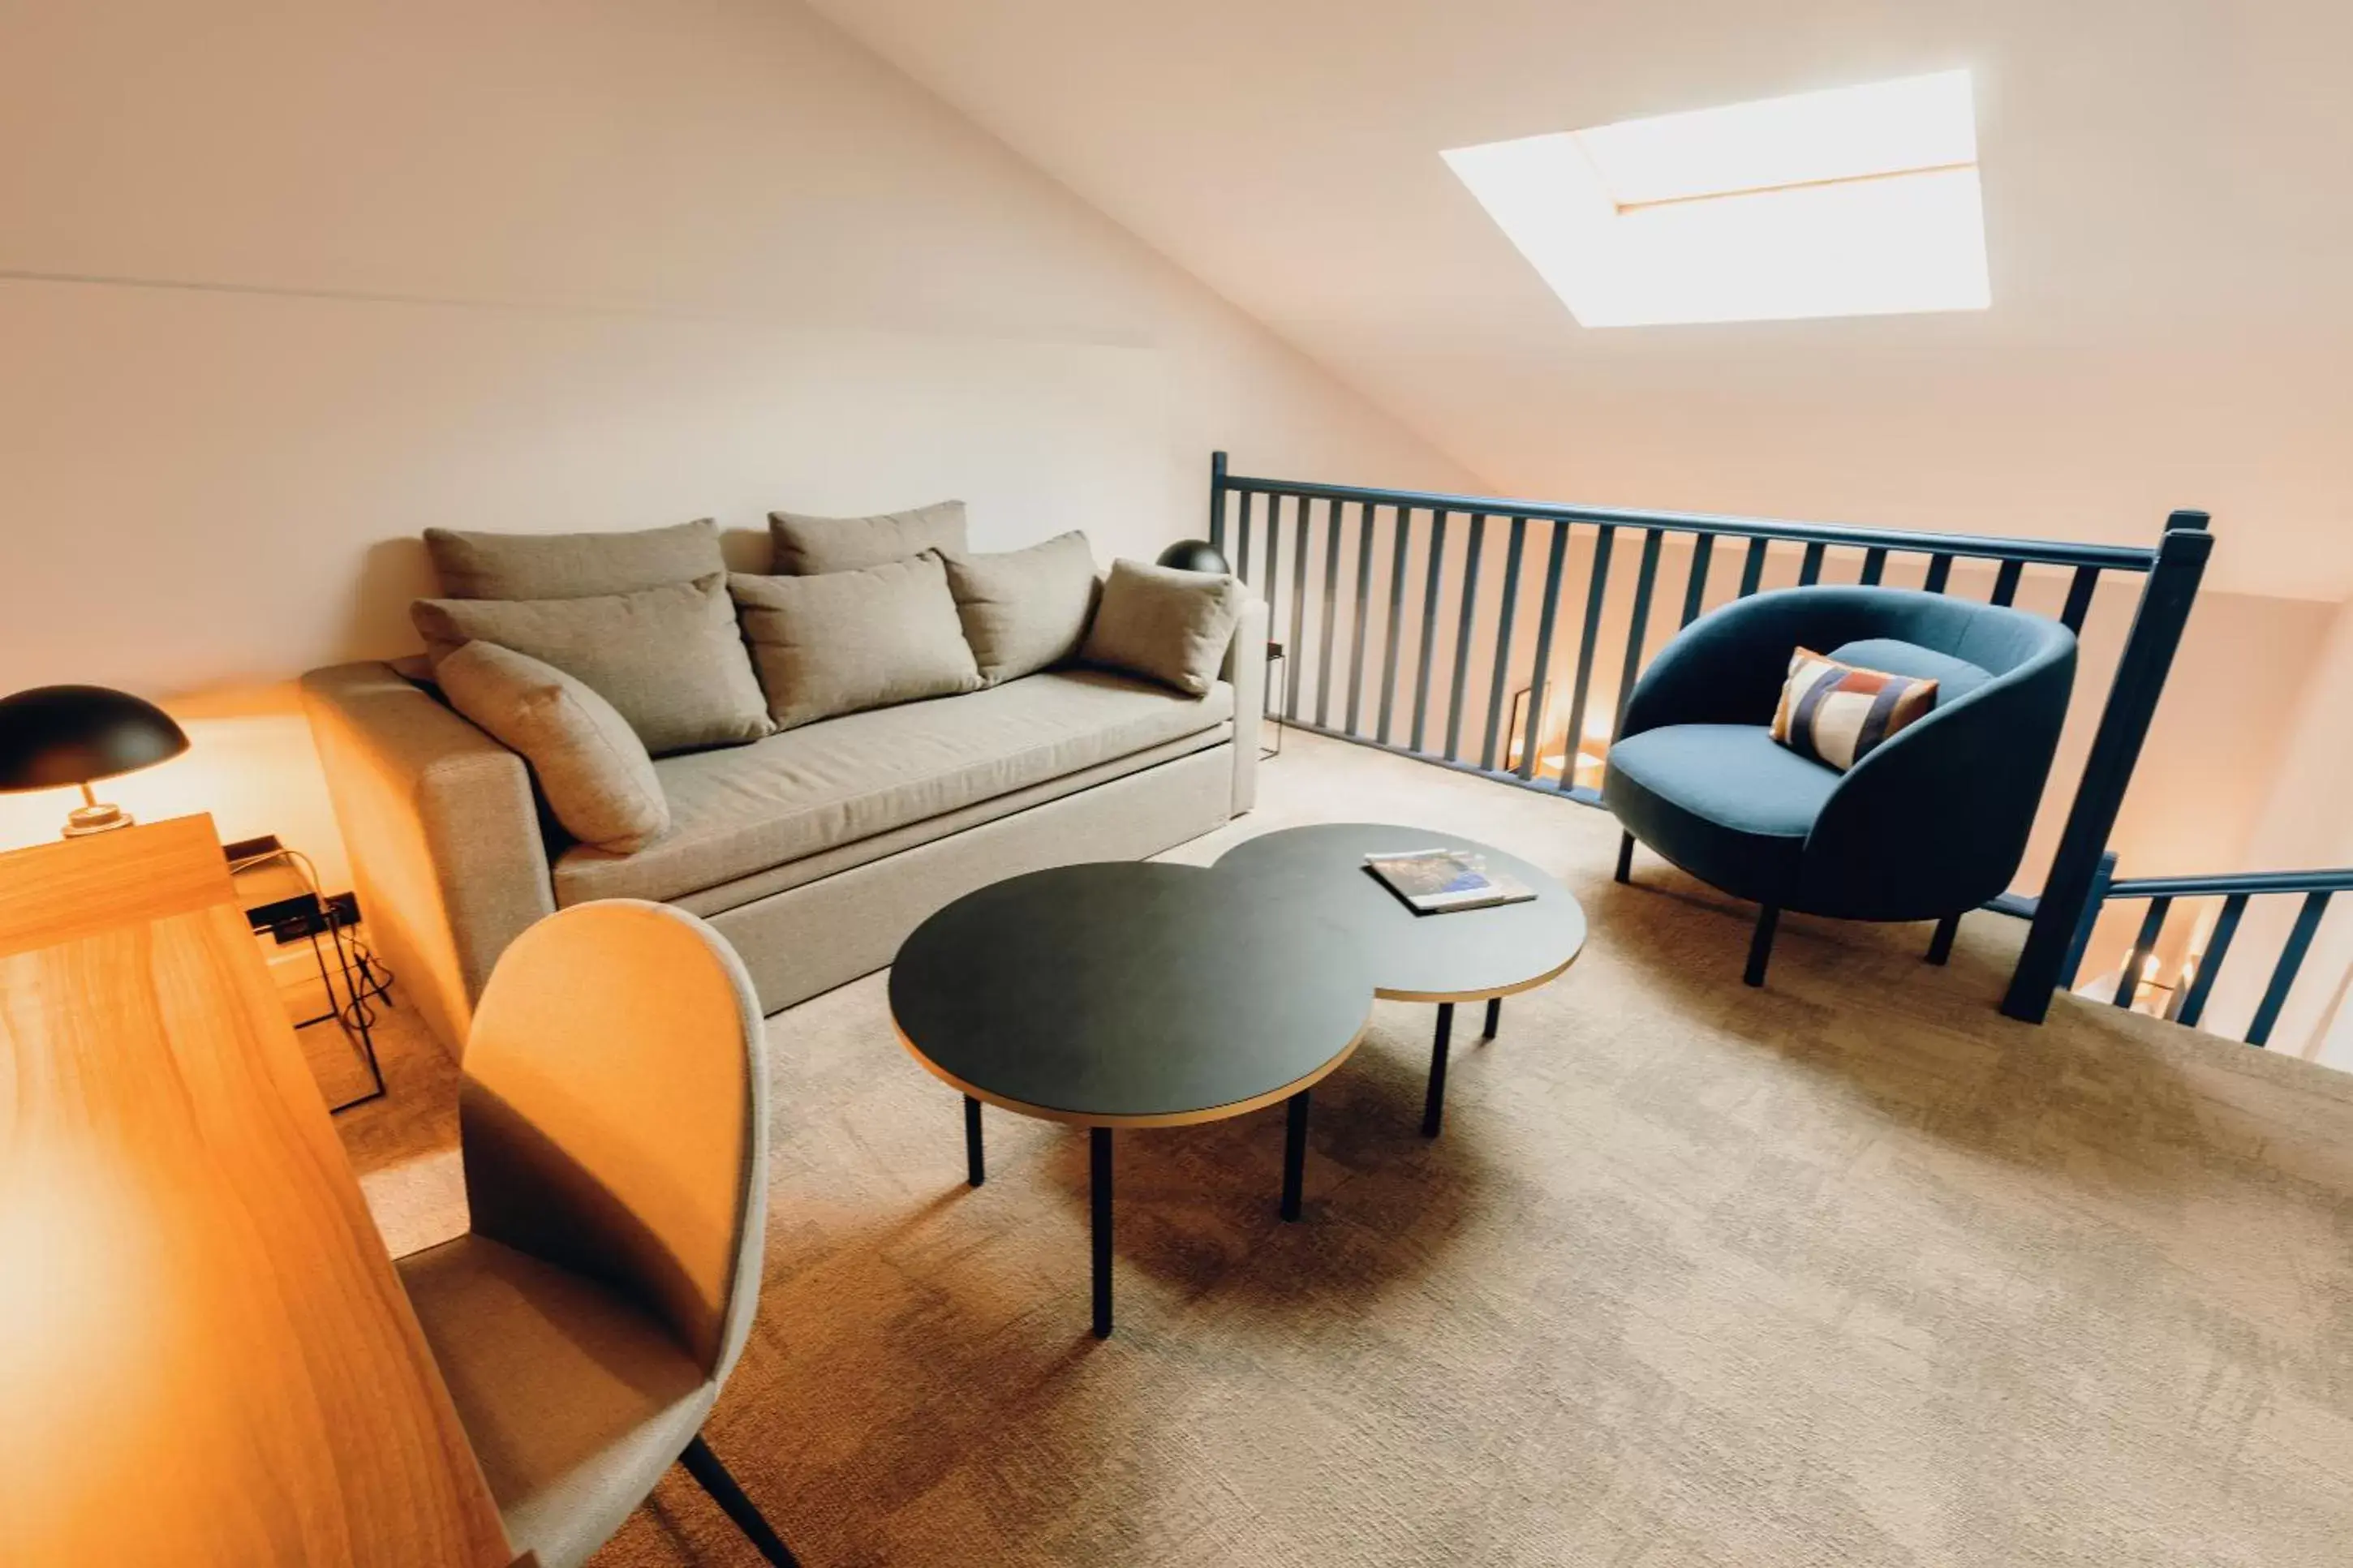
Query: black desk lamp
(52, 736)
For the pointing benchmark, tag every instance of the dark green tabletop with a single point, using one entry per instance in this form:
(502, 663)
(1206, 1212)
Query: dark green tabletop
(1463, 956)
(1125, 993)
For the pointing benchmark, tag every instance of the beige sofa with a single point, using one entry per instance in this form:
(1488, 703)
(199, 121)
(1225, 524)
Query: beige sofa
(814, 851)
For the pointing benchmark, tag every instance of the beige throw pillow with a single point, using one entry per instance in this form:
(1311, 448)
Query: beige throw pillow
(592, 769)
(1024, 609)
(844, 641)
(670, 659)
(1170, 625)
(808, 545)
(571, 565)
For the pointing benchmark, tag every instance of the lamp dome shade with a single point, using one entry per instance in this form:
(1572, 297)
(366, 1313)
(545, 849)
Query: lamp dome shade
(1195, 556)
(56, 736)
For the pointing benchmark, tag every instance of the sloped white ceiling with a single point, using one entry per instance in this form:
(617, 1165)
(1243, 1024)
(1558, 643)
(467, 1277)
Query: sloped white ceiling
(2169, 209)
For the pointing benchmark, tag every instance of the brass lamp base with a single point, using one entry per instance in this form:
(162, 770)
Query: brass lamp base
(95, 817)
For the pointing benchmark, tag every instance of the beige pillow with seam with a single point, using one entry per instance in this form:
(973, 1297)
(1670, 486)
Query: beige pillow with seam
(670, 659)
(592, 770)
(1024, 609)
(806, 545)
(840, 642)
(1169, 626)
(571, 565)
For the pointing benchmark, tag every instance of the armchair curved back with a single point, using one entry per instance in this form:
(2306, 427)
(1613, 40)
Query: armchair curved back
(613, 1117)
(1936, 818)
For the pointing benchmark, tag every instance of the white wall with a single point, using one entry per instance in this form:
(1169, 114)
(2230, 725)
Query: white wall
(281, 285)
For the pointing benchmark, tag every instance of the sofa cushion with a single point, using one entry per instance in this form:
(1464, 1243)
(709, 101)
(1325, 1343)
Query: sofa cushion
(1164, 624)
(1725, 802)
(571, 565)
(845, 641)
(671, 658)
(806, 545)
(1024, 609)
(738, 812)
(593, 771)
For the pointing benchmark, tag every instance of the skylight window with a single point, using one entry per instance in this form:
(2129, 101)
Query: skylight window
(1860, 200)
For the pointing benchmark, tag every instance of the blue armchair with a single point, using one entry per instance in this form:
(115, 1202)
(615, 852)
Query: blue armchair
(1931, 822)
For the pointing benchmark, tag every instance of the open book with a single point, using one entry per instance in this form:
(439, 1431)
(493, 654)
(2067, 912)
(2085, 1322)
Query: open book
(1441, 881)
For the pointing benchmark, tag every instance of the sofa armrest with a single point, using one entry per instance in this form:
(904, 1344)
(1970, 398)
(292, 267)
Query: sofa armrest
(443, 831)
(1246, 670)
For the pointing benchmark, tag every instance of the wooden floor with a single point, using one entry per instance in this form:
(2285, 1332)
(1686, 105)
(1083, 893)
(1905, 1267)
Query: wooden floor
(1849, 1270)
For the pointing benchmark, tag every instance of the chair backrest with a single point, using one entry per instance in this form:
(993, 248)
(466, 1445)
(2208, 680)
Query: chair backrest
(613, 1114)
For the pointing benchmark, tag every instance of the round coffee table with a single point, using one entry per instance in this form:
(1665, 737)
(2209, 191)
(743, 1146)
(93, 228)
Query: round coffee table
(1468, 956)
(1127, 995)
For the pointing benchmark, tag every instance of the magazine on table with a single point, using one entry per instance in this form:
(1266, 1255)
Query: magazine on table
(1445, 881)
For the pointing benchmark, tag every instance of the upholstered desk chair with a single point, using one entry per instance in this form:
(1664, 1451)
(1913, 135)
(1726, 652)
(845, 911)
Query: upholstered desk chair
(1929, 824)
(614, 1125)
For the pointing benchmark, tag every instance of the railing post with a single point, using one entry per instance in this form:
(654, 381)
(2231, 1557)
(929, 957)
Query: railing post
(2116, 747)
(1218, 502)
(2095, 898)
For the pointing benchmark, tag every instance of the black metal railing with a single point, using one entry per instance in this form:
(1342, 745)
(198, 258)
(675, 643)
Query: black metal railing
(1298, 542)
(2189, 999)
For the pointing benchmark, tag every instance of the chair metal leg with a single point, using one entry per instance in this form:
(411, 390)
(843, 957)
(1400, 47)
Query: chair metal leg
(1625, 856)
(975, 1168)
(1940, 946)
(712, 1477)
(1760, 946)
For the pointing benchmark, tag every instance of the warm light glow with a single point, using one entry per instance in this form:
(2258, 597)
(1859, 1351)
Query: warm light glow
(1857, 201)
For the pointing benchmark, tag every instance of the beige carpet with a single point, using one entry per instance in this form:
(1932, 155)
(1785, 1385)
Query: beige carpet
(1852, 1270)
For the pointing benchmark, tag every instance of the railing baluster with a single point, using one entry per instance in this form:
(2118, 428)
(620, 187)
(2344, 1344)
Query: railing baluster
(1242, 554)
(1300, 547)
(1464, 625)
(1356, 622)
(1940, 571)
(2210, 962)
(1274, 631)
(1429, 623)
(2299, 942)
(1398, 549)
(1696, 585)
(1874, 566)
(1595, 591)
(2152, 927)
(1752, 569)
(2080, 942)
(1638, 628)
(1809, 570)
(2005, 581)
(1218, 501)
(1503, 642)
(2079, 597)
(1534, 736)
(1329, 633)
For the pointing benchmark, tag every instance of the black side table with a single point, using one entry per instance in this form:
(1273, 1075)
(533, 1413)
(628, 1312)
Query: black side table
(1129, 995)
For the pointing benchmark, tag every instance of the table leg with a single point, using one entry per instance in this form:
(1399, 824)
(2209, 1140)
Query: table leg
(1494, 1015)
(976, 1170)
(1099, 1169)
(1434, 1103)
(1294, 1154)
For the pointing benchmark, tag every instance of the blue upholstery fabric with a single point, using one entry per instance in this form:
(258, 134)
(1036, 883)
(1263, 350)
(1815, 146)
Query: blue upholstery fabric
(1727, 796)
(1955, 677)
(1931, 822)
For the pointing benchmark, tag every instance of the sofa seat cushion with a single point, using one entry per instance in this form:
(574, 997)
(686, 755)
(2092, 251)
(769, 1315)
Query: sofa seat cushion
(738, 812)
(1725, 802)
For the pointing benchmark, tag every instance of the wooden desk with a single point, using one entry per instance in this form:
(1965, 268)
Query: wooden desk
(206, 1357)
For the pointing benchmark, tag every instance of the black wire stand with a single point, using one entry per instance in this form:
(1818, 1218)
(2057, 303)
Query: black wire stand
(309, 916)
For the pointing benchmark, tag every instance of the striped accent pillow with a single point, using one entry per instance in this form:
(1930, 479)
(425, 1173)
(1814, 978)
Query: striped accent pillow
(1836, 713)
